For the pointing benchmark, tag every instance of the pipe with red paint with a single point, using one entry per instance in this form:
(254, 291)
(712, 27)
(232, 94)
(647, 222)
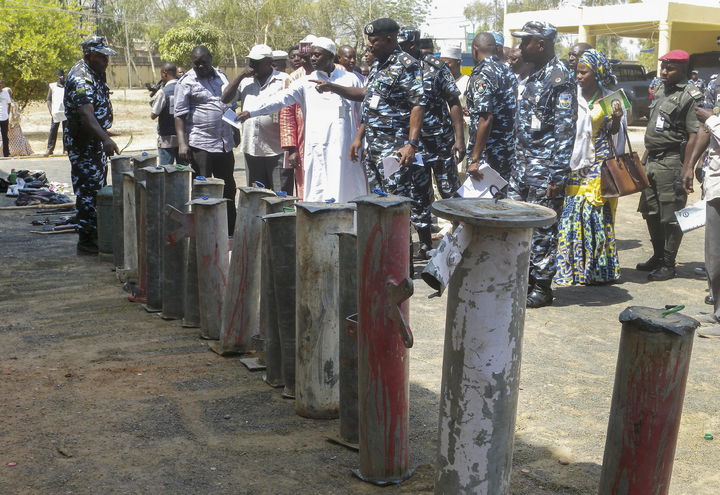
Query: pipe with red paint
(650, 378)
(384, 337)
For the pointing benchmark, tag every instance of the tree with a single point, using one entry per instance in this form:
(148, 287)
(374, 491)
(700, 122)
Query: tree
(177, 43)
(484, 16)
(36, 42)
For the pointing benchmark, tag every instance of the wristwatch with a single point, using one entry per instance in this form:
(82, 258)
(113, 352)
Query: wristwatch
(415, 143)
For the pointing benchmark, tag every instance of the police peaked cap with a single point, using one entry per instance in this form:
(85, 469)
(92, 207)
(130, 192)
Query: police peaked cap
(384, 25)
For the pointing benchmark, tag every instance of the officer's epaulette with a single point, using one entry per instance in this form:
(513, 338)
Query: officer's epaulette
(558, 76)
(433, 61)
(406, 60)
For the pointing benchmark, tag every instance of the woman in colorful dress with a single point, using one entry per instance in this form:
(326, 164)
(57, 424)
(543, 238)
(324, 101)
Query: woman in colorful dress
(587, 252)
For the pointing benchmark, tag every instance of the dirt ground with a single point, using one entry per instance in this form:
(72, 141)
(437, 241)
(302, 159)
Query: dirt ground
(100, 397)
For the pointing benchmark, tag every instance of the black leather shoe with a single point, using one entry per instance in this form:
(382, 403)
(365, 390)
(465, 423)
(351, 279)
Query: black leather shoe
(661, 274)
(540, 296)
(87, 244)
(652, 264)
(709, 300)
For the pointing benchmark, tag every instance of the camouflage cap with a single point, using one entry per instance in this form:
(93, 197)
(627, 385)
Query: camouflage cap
(97, 44)
(538, 29)
(384, 25)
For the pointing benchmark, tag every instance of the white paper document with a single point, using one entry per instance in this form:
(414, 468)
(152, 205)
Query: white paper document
(490, 185)
(229, 117)
(691, 217)
(391, 164)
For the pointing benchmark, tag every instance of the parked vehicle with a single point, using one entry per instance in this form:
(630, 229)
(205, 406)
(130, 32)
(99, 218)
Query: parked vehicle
(633, 79)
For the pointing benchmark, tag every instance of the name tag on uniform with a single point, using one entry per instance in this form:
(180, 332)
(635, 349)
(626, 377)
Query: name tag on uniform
(660, 123)
(374, 102)
(534, 123)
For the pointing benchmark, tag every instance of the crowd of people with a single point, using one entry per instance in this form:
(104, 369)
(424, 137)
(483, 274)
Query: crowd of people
(330, 129)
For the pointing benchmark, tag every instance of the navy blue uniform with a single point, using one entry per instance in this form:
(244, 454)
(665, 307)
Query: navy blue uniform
(393, 88)
(87, 158)
(438, 136)
(492, 89)
(544, 139)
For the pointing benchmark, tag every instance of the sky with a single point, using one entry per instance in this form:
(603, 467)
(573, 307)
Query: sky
(445, 20)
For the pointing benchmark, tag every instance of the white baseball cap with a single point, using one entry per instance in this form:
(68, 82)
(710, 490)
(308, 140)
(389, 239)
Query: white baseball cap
(259, 52)
(453, 51)
(279, 55)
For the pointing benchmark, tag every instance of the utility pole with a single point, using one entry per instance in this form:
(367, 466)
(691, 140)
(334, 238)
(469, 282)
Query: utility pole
(127, 50)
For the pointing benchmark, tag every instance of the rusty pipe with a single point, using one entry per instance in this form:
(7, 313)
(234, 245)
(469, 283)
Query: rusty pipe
(383, 260)
(650, 377)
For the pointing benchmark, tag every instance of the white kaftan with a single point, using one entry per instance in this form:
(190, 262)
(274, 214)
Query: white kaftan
(330, 126)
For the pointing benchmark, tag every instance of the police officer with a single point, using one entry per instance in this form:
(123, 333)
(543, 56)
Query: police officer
(672, 127)
(696, 81)
(89, 116)
(545, 134)
(442, 136)
(491, 102)
(712, 95)
(393, 105)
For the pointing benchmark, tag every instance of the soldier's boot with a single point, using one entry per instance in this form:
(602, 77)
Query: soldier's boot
(541, 295)
(425, 237)
(87, 243)
(531, 284)
(657, 238)
(673, 236)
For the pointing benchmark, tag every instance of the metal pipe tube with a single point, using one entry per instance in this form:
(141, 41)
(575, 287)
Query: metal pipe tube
(211, 238)
(281, 230)
(130, 253)
(384, 337)
(650, 377)
(212, 188)
(154, 213)
(119, 165)
(347, 297)
(317, 320)
(241, 313)
(177, 194)
(269, 330)
(483, 343)
(140, 234)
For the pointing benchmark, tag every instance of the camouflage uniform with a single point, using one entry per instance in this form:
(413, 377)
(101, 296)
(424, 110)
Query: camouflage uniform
(493, 89)
(545, 135)
(87, 159)
(712, 97)
(438, 136)
(392, 90)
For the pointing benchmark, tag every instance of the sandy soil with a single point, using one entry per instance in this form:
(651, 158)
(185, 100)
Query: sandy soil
(99, 396)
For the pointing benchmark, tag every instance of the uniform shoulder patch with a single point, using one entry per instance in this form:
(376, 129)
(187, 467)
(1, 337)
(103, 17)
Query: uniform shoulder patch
(565, 100)
(695, 93)
(558, 77)
(480, 86)
(433, 61)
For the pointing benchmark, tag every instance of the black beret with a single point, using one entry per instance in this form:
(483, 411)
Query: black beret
(384, 25)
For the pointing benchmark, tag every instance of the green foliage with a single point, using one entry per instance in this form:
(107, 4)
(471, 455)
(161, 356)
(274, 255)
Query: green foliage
(485, 15)
(650, 59)
(177, 43)
(35, 43)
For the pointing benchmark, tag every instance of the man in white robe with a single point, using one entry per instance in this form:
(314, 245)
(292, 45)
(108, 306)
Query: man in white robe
(330, 126)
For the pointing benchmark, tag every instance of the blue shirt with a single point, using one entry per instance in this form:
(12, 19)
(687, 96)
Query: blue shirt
(545, 126)
(492, 89)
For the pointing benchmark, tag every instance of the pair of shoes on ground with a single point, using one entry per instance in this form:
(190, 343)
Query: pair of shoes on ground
(711, 326)
(659, 271)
